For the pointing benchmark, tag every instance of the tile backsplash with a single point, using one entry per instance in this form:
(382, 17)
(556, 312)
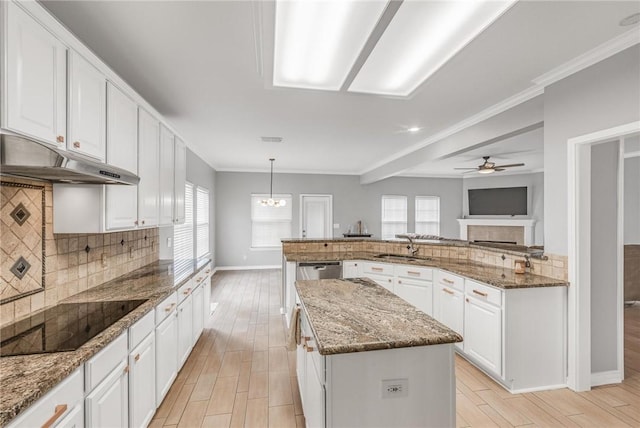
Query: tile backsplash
(71, 263)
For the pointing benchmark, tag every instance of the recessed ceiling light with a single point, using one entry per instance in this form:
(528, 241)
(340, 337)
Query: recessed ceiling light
(318, 41)
(271, 139)
(420, 39)
(630, 20)
(413, 129)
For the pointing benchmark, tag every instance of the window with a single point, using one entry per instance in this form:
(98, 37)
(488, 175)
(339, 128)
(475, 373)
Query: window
(394, 216)
(183, 239)
(428, 215)
(270, 224)
(202, 225)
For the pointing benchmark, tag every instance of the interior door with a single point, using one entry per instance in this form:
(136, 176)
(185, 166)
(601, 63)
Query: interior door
(316, 216)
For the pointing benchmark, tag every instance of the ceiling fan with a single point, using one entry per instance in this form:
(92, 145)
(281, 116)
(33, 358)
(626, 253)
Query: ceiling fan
(490, 167)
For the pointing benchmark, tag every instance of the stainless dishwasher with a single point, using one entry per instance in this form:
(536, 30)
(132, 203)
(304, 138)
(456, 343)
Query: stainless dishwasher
(319, 270)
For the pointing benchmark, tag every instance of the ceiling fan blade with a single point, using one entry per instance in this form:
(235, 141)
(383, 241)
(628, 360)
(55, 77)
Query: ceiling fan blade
(465, 168)
(499, 169)
(511, 165)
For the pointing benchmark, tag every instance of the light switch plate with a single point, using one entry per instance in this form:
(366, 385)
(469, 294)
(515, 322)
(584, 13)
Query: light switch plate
(336, 225)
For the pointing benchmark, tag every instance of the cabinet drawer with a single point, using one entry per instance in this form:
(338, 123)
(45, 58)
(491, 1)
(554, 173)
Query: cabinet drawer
(103, 363)
(450, 280)
(377, 268)
(56, 405)
(167, 307)
(185, 290)
(414, 272)
(141, 329)
(483, 292)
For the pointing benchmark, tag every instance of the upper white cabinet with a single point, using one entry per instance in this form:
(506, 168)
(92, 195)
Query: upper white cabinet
(35, 81)
(166, 177)
(180, 179)
(148, 160)
(87, 108)
(122, 151)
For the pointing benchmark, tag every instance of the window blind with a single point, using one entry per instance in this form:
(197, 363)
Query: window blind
(202, 225)
(183, 239)
(394, 215)
(428, 215)
(270, 224)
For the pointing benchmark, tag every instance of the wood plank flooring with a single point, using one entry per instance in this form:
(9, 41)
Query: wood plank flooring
(241, 375)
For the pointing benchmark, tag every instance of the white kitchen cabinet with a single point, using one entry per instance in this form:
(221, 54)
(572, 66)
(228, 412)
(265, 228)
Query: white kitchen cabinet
(35, 82)
(289, 292)
(166, 165)
(351, 269)
(206, 299)
(180, 179)
(185, 329)
(416, 292)
(166, 353)
(142, 379)
(75, 418)
(108, 404)
(483, 333)
(198, 311)
(87, 108)
(148, 169)
(380, 273)
(448, 308)
(121, 202)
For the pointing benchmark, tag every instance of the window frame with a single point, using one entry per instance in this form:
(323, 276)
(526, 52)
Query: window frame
(287, 222)
(384, 222)
(416, 216)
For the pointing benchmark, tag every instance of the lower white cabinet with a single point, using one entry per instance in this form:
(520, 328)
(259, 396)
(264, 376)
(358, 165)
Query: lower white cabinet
(166, 355)
(418, 293)
(448, 308)
(108, 404)
(185, 329)
(310, 378)
(142, 379)
(206, 298)
(483, 333)
(75, 418)
(352, 269)
(198, 313)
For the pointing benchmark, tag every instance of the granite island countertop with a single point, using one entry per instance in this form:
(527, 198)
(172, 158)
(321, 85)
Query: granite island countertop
(493, 275)
(358, 315)
(26, 378)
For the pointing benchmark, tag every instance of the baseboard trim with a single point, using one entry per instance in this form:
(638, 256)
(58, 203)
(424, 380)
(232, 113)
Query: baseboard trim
(537, 388)
(606, 378)
(219, 268)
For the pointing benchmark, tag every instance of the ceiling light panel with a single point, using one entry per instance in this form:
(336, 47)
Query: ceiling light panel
(317, 42)
(420, 39)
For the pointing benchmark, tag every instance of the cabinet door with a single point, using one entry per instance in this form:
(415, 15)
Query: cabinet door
(483, 334)
(166, 355)
(383, 280)
(36, 80)
(75, 418)
(417, 293)
(185, 329)
(301, 362)
(148, 169)
(121, 202)
(449, 309)
(108, 404)
(350, 269)
(166, 177)
(87, 108)
(206, 300)
(180, 179)
(142, 379)
(198, 309)
(314, 406)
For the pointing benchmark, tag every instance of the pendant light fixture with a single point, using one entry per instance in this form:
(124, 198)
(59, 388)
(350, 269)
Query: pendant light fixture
(272, 202)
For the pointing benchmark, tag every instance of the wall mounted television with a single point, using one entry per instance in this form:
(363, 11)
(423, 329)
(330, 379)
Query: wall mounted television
(509, 201)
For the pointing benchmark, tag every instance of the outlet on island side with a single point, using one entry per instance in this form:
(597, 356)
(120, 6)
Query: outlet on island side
(395, 388)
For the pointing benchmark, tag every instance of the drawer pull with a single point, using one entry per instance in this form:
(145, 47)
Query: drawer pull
(187, 291)
(308, 348)
(399, 281)
(76, 144)
(126, 369)
(467, 299)
(199, 279)
(480, 293)
(448, 281)
(411, 272)
(207, 271)
(446, 290)
(137, 357)
(60, 139)
(60, 409)
(170, 307)
(377, 269)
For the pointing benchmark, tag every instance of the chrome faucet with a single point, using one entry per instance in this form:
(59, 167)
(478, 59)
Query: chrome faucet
(412, 249)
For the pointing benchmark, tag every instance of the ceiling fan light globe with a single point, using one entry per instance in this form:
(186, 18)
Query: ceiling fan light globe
(282, 203)
(271, 202)
(486, 171)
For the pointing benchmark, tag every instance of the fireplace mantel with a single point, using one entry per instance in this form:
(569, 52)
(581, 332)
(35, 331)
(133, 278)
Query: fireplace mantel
(527, 223)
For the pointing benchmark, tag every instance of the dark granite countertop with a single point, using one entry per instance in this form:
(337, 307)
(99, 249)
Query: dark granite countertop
(26, 378)
(358, 315)
(488, 274)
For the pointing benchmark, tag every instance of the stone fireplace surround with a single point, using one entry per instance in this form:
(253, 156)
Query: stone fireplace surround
(497, 229)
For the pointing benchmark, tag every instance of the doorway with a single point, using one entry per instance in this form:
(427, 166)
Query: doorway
(316, 216)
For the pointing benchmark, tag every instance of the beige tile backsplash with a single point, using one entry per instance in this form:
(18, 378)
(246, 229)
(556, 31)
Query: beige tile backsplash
(70, 269)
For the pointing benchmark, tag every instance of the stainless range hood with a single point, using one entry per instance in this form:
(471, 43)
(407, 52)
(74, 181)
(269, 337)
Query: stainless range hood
(26, 158)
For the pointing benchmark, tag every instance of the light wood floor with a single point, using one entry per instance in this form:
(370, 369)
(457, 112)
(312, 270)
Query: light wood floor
(240, 374)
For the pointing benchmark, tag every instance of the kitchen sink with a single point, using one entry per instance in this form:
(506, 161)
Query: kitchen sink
(401, 257)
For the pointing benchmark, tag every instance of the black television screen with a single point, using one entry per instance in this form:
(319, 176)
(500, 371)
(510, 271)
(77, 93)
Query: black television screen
(498, 201)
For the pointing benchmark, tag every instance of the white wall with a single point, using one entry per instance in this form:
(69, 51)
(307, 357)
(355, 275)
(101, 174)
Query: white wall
(600, 97)
(604, 275)
(351, 202)
(632, 200)
(535, 183)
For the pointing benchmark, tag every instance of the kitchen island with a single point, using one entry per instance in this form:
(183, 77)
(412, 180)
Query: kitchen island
(368, 358)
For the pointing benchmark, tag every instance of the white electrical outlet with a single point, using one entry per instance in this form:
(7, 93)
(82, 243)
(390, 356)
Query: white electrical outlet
(395, 388)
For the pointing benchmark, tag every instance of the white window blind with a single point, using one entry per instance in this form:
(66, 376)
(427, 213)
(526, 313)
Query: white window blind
(202, 225)
(394, 216)
(428, 215)
(270, 224)
(183, 239)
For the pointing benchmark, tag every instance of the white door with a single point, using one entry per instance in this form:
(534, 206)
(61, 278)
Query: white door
(166, 355)
(87, 108)
(148, 170)
(316, 213)
(142, 379)
(185, 329)
(166, 177)
(36, 80)
(108, 404)
(483, 334)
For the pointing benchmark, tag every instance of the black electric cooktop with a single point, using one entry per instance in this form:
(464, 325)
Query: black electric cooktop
(64, 327)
